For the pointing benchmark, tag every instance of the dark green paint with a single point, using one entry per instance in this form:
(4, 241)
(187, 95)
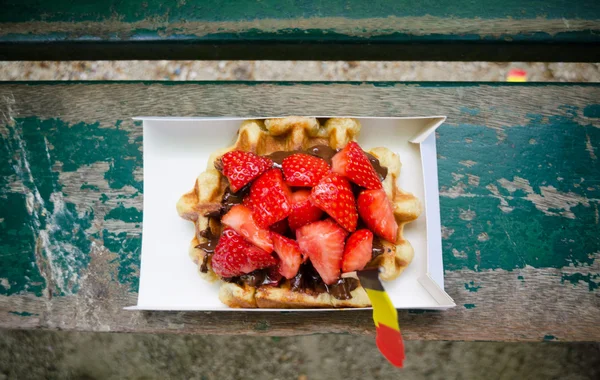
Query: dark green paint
(593, 110)
(23, 313)
(128, 249)
(575, 278)
(103, 198)
(469, 306)
(126, 214)
(30, 149)
(520, 278)
(548, 338)
(524, 236)
(87, 186)
(262, 326)
(232, 10)
(472, 287)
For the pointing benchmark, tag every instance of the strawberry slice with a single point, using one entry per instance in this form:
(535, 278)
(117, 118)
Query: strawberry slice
(303, 211)
(289, 255)
(334, 195)
(240, 219)
(304, 170)
(241, 167)
(270, 198)
(376, 210)
(353, 163)
(323, 242)
(358, 251)
(234, 256)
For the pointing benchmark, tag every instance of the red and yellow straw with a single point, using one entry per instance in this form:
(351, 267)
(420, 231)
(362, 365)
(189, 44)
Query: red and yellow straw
(389, 339)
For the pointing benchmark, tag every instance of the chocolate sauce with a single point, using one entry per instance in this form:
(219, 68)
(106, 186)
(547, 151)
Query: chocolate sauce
(208, 247)
(267, 276)
(278, 157)
(322, 151)
(378, 248)
(308, 281)
(382, 171)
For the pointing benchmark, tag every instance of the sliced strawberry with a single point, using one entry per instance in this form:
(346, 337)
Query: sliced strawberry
(289, 255)
(358, 251)
(247, 201)
(323, 242)
(270, 198)
(354, 164)
(303, 211)
(376, 210)
(241, 167)
(334, 195)
(240, 219)
(280, 227)
(234, 256)
(304, 170)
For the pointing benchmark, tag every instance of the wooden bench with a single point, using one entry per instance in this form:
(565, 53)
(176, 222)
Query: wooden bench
(519, 175)
(510, 30)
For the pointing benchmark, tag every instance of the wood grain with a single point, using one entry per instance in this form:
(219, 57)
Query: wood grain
(518, 183)
(228, 29)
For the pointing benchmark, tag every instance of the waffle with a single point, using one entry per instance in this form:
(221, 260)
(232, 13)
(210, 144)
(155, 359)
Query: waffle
(264, 137)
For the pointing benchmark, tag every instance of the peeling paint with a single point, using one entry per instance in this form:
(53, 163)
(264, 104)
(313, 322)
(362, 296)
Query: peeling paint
(589, 147)
(467, 215)
(45, 234)
(548, 199)
(473, 180)
(471, 287)
(446, 232)
(469, 306)
(468, 163)
(576, 278)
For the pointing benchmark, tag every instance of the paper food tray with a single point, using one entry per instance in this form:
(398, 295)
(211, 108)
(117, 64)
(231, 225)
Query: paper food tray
(176, 151)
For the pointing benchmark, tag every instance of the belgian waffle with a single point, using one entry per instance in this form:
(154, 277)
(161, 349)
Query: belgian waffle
(263, 137)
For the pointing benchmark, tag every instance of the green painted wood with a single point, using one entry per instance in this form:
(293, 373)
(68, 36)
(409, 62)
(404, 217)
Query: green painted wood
(519, 191)
(270, 29)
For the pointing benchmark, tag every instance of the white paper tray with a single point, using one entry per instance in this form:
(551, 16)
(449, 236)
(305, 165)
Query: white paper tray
(176, 151)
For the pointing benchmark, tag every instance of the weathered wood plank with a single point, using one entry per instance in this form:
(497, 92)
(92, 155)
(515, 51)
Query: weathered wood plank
(519, 183)
(270, 29)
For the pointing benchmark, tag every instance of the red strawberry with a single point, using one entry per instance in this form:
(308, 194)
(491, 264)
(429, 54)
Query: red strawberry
(270, 198)
(358, 251)
(304, 170)
(334, 195)
(247, 202)
(323, 242)
(303, 211)
(376, 210)
(353, 163)
(241, 167)
(280, 227)
(289, 255)
(240, 219)
(234, 256)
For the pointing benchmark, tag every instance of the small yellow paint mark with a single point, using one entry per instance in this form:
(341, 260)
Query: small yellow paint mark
(483, 237)
(532, 141)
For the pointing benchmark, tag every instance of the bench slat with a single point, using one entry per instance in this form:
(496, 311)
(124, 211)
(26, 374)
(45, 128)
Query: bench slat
(519, 193)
